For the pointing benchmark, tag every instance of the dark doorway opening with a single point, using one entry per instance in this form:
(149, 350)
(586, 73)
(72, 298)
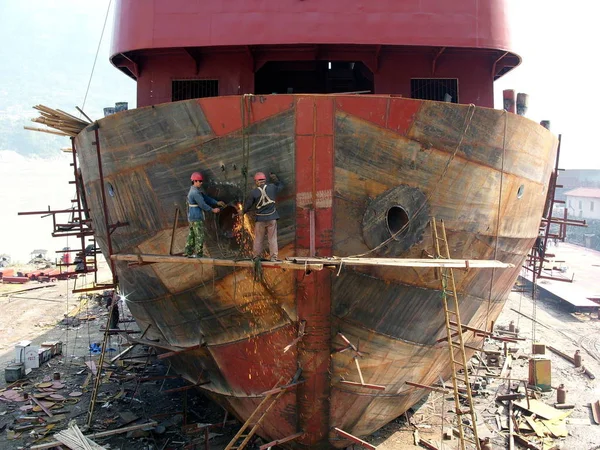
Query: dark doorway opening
(312, 77)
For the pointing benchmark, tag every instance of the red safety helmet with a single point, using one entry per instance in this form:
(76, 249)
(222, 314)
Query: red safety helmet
(196, 176)
(260, 176)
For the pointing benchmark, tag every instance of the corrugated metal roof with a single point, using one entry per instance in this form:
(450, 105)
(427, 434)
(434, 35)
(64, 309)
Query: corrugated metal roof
(584, 192)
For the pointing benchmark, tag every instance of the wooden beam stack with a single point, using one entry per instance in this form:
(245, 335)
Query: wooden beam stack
(64, 123)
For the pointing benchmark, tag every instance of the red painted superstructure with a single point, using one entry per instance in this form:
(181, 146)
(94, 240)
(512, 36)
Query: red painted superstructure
(230, 41)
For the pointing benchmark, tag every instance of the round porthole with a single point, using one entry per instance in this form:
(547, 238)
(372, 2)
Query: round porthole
(520, 191)
(397, 218)
(400, 213)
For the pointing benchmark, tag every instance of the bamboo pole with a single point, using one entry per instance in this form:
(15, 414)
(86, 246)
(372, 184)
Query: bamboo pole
(58, 133)
(404, 262)
(98, 435)
(142, 258)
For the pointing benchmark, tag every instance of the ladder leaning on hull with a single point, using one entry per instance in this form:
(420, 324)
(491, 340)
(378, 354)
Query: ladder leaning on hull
(454, 330)
(241, 438)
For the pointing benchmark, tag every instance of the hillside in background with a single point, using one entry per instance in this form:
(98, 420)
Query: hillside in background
(49, 61)
(47, 56)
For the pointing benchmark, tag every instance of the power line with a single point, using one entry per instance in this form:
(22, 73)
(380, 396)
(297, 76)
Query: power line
(96, 57)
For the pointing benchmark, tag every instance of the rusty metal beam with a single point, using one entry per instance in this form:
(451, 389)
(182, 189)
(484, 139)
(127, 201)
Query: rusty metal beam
(281, 441)
(177, 352)
(186, 388)
(377, 387)
(476, 330)
(282, 388)
(431, 388)
(354, 439)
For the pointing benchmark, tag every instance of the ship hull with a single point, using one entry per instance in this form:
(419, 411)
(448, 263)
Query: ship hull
(356, 169)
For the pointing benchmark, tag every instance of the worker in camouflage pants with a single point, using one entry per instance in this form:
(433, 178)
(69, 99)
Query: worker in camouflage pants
(198, 202)
(194, 244)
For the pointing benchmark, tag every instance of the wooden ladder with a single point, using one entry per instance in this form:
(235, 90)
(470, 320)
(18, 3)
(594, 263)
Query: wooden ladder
(456, 345)
(241, 439)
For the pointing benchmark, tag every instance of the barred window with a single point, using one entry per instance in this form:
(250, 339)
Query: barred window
(437, 89)
(187, 89)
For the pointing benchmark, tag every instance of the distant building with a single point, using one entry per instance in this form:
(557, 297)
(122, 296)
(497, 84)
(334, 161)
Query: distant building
(575, 178)
(583, 202)
(4, 260)
(39, 253)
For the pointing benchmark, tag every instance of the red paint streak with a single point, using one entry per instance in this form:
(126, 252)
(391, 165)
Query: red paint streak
(222, 113)
(260, 107)
(402, 114)
(225, 114)
(371, 109)
(314, 172)
(256, 365)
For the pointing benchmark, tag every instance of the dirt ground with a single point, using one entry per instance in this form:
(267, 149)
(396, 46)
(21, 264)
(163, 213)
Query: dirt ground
(556, 327)
(136, 392)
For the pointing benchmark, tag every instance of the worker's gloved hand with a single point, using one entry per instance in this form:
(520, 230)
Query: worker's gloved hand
(273, 177)
(216, 210)
(222, 204)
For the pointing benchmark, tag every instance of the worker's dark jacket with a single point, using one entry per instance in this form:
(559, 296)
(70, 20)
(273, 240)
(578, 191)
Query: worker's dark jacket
(198, 201)
(263, 200)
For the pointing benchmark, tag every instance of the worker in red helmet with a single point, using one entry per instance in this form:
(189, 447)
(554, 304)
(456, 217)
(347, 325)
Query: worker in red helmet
(262, 198)
(198, 202)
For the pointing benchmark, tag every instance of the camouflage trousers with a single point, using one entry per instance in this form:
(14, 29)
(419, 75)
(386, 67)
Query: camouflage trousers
(194, 245)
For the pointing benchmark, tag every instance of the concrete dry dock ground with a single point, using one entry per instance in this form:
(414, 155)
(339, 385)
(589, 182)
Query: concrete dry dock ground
(124, 400)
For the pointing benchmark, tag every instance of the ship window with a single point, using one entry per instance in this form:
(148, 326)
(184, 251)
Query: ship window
(520, 191)
(437, 89)
(187, 89)
(397, 218)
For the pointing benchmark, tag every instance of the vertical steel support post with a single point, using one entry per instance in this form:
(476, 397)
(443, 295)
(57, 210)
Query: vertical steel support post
(77, 196)
(314, 231)
(551, 195)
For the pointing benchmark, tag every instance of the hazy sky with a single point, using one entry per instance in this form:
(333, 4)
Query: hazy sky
(47, 56)
(557, 40)
(42, 38)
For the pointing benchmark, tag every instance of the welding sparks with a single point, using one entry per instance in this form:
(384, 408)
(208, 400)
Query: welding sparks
(243, 230)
